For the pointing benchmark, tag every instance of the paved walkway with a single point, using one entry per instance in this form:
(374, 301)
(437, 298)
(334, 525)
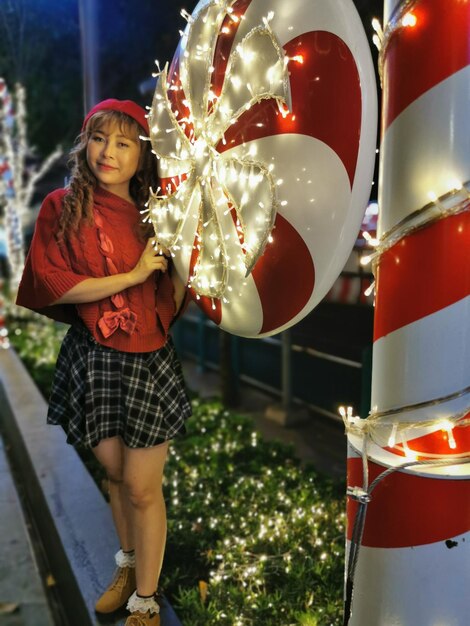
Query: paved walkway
(22, 597)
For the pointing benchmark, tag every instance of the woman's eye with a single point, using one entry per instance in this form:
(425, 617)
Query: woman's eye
(123, 145)
(96, 138)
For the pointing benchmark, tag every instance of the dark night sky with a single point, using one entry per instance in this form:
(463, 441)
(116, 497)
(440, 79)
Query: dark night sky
(40, 47)
(162, 22)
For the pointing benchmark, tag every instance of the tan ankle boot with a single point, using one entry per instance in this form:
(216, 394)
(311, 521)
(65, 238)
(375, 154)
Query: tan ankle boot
(118, 592)
(143, 619)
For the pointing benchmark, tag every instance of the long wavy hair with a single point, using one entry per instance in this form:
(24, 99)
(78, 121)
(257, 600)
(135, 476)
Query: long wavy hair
(78, 201)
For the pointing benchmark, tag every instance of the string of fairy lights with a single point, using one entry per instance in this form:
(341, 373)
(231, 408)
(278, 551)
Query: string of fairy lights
(393, 428)
(400, 428)
(287, 524)
(210, 185)
(453, 202)
(12, 219)
(402, 17)
(388, 431)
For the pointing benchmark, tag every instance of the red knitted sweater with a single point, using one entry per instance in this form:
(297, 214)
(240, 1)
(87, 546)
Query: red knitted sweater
(137, 319)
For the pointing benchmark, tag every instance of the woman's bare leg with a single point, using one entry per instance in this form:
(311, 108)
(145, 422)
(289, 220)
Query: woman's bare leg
(143, 475)
(110, 453)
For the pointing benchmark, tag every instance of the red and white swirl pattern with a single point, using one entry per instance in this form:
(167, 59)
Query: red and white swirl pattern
(414, 562)
(323, 151)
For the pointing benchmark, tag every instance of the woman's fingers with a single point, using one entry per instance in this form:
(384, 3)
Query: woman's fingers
(161, 263)
(163, 250)
(157, 247)
(154, 256)
(150, 244)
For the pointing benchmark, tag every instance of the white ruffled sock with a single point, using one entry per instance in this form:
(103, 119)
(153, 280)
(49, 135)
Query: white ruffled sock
(142, 605)
(125, 559)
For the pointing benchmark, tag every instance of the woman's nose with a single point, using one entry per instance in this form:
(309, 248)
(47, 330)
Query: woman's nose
(107, 150)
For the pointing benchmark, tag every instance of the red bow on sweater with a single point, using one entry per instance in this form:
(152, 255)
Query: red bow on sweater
(112, 320)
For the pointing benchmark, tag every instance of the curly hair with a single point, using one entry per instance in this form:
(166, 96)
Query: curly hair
(78, 201)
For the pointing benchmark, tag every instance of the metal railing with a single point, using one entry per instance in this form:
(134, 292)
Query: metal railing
(197, 338)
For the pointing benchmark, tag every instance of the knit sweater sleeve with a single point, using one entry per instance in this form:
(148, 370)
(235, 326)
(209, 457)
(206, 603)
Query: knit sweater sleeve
(48, 274)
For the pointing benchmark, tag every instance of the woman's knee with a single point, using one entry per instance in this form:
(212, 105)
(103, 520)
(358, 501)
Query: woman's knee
(114, 474)
(142, 496)
(109, 454)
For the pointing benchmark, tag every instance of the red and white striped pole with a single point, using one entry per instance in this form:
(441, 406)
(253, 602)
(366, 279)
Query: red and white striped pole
(411, 563)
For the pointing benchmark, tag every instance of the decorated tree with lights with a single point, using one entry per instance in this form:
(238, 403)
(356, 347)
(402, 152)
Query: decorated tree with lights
(17, 180)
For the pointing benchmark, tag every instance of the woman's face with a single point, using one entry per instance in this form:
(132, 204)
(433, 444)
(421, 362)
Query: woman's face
(113, 157)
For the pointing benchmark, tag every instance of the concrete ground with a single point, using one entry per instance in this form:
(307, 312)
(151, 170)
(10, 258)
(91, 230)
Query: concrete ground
(317, 439)
(23, 599)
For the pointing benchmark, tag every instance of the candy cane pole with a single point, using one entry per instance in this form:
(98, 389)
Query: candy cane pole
(409, 462)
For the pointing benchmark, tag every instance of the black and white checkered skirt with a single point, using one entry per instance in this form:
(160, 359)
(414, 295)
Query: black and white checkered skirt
(99, 392)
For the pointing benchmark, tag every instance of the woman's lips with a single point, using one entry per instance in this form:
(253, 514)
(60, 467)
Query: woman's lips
(107, 168)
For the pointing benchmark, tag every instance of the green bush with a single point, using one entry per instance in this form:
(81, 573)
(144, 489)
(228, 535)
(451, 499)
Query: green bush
(263, 534)
(254, 537)
(37, 341)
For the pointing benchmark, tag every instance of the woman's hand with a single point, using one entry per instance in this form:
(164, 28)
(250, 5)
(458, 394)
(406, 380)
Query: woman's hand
(94, 289)
(151, 260)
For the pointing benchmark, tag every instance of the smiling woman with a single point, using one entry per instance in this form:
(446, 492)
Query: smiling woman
(118, 388)
(113, 157)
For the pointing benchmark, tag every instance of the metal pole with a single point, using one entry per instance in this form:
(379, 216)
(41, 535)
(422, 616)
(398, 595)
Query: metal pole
(201, 342)
(287, 370)
(228, 374)
(88, 16)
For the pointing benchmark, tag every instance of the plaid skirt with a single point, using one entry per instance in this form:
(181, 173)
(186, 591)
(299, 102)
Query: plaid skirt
(99, 392)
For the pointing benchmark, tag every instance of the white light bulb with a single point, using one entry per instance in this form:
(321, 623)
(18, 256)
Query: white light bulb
(393, 434)
(448, 426)
(409, 20)
(456, 185)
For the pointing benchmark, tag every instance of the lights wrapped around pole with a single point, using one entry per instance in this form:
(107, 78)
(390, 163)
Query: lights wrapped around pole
(409, 465)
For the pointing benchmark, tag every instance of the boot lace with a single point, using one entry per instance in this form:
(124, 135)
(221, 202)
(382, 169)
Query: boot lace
(137, 620)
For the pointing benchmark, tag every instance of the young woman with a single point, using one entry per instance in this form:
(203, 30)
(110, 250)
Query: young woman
(118, 386)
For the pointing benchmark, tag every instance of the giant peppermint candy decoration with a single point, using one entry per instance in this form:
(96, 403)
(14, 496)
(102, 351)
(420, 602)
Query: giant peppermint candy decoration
(264, 127)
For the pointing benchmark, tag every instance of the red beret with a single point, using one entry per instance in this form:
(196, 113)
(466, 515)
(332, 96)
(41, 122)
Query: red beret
(128, 107)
